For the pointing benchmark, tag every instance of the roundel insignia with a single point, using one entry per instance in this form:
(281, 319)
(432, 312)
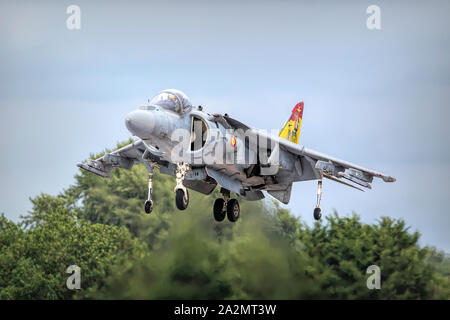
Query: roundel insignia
(233, 141)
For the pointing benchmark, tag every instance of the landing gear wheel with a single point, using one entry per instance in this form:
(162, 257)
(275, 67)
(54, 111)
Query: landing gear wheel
(233, 210)
(317, 213)
(180, 200)
(148, 206)
(219, 213)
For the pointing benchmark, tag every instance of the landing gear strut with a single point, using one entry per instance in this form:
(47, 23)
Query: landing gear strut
(148, 205)
(317, 209)
(181, 193)
(226, 207)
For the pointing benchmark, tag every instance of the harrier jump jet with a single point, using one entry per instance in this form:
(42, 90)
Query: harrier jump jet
(204, 150)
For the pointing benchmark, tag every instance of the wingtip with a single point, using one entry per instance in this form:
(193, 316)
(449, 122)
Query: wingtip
(389, 179)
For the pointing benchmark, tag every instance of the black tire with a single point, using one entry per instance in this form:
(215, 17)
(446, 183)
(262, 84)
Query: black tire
(317, 213)
(180, 201)
(148, 206)
(218, 212)
(233, 210)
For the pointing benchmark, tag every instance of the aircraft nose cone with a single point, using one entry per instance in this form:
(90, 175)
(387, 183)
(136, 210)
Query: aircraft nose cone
(140, 123)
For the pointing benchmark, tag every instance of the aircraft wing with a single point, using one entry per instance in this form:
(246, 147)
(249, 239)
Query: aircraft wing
(124, 157)
(332, 168)
(337, 168)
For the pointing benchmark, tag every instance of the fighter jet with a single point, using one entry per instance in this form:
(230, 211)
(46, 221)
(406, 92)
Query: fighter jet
(204, 151)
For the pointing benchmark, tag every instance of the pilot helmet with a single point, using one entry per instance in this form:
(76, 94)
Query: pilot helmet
(172, 99)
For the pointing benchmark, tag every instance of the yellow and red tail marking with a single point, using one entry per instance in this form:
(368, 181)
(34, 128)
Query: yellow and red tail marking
(291, 130)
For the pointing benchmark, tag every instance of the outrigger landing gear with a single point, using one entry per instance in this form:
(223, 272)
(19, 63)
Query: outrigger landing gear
(148, 205)
(226, 207)
(317, 210)
(181, 193)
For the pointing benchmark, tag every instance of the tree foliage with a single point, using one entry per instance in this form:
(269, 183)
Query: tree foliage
(99, 225)
(34, 260)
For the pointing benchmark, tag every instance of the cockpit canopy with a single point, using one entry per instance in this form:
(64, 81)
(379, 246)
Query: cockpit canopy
(172, 99)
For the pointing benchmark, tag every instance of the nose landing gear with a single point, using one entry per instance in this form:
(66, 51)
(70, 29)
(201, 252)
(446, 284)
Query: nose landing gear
(226, 207)
(181, 199)
(181, 193)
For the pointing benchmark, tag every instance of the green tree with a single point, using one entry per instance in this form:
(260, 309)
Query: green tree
(202, 259)
(33, 260)
(343, 248)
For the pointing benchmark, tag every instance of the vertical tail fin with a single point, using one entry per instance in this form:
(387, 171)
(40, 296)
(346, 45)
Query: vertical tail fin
(291, 130)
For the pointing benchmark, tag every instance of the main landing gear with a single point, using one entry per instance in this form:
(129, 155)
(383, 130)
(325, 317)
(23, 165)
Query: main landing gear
(226, 207)
(317, 209)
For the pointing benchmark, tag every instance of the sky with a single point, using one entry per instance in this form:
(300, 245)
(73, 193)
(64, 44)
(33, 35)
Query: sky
(377, 98)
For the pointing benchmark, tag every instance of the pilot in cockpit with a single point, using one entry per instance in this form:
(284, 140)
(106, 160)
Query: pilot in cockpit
(172, 99)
